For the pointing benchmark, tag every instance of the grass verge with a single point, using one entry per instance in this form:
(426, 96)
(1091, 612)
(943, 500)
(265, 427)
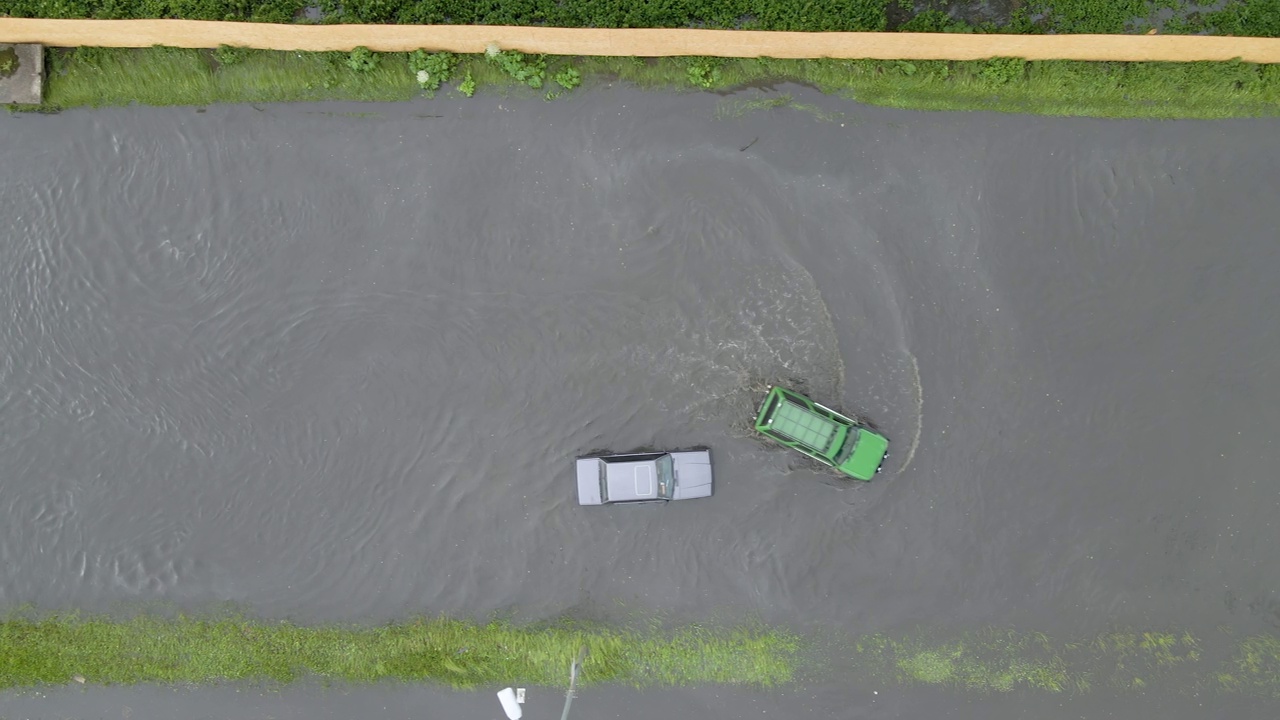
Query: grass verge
(170, 76)
(173, 76)
(184, 650)
(58, 650)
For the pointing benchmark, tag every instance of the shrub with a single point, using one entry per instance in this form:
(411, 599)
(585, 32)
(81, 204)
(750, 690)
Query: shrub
(468, 85)
(1002, 71)
(867, 15)
(528, 69)
(1256, 18)
(568, 78)
(363, 60)
(1090, 16)
(278, 11)
(228, 55)
(432, 69)
(931, 21)
(705, 71)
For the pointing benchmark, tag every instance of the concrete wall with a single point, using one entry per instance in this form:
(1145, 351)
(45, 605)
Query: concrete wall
(637, 42)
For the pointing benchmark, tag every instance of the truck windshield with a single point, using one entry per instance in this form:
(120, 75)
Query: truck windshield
(850, 443)
(666, 477)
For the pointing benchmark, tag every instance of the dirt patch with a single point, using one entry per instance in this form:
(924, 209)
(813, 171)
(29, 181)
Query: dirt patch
(638, 42)
(9, 62)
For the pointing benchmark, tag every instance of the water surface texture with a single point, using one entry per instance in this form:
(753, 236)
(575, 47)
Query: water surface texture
(334, 363)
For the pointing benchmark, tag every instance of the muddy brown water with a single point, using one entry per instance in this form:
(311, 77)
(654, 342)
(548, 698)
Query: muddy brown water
(333, 363)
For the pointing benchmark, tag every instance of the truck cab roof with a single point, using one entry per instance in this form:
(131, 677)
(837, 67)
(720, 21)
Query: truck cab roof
(631, 480)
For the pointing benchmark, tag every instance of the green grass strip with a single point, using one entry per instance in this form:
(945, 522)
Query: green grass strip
(173, 76)
(170, 76)
(1111, 90)
(185, 650)
(462, 654)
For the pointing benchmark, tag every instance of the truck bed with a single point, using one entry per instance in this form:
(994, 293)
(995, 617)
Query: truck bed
(803, 426)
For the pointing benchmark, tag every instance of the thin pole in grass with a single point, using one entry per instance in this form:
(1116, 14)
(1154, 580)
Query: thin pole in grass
(573, 681)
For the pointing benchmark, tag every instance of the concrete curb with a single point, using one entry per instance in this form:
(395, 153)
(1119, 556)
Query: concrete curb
(638, 42)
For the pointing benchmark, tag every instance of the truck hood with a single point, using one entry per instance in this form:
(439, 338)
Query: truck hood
(693, 474)
(867, 455)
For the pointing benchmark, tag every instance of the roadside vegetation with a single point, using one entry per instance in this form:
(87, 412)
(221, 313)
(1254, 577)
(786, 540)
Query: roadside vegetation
(57, 650)
(60, 650)
(1150, 90)
(171, 76)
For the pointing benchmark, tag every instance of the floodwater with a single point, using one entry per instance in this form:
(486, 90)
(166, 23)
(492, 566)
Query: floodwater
(334, 363)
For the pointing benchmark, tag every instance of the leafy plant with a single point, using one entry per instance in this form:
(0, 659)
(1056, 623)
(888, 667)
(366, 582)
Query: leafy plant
(228, 55)
(705, 71)
(363, 60)
(1002, 71)
(568, 78)
(468, 85)
(528, 69)
(432, 69)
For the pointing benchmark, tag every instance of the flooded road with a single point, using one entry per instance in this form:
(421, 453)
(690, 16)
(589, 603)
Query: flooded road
(334, 363)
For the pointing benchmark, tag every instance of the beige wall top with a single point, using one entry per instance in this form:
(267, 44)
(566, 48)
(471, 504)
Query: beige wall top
(637, 42)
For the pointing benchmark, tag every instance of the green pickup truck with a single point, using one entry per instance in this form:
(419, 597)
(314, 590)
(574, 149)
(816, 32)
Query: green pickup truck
(821, 433)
